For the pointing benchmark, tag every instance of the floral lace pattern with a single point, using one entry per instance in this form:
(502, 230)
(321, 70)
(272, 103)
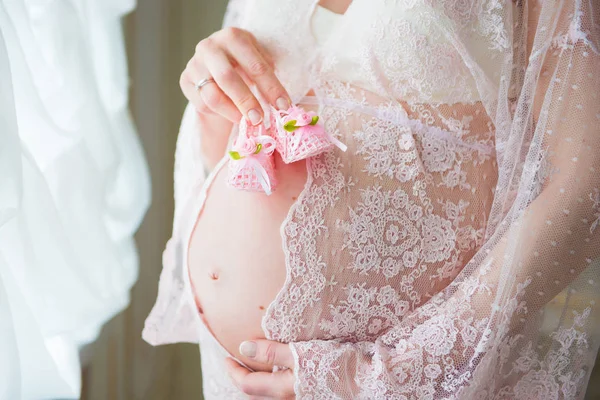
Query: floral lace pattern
(401, 245)
(412, 71)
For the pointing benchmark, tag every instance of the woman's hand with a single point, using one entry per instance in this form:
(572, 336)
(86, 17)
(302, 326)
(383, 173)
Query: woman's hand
(234, 59)
(264, 385)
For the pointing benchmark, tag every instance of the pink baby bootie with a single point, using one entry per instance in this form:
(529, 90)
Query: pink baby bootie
(299, 135)
(251, 166)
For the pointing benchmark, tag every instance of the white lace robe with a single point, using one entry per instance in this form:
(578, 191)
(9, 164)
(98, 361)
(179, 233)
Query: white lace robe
(453, 251)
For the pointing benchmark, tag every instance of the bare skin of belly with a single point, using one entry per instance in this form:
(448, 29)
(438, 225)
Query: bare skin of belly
(237, 264)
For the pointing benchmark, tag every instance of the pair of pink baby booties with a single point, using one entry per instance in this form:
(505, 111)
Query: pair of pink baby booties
(294, 133)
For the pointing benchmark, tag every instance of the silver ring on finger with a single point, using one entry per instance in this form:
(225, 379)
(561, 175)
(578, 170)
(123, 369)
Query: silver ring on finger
(203, 82)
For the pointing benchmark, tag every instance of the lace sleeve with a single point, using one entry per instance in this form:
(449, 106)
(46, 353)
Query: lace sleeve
(492, 332)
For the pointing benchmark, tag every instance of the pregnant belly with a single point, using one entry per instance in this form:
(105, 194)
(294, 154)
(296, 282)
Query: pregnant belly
(237, 264)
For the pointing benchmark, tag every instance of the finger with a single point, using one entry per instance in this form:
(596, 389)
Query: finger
(278, 386)
(236, 372)
(218, 102)
(209, 98)
(274, 385)
(231, 83)
(268, 352)
(186, 82)
(266, 55)
(260, 71)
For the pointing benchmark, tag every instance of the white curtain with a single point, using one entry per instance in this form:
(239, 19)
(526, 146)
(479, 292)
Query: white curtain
(74, 187)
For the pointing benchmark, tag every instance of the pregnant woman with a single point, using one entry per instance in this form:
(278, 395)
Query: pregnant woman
(452, 252)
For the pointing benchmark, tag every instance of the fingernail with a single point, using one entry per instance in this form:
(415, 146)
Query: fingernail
(282, 103)
(254, 117)
(248, 349)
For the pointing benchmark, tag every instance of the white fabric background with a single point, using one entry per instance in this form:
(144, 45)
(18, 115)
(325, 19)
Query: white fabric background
(74, 187)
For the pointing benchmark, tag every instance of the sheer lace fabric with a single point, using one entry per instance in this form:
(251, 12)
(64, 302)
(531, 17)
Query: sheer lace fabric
(454, 250)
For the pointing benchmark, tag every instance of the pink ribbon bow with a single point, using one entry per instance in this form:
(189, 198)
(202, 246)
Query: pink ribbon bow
(306, 125)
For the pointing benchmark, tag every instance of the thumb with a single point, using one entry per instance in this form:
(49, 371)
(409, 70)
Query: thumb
(268, 352)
